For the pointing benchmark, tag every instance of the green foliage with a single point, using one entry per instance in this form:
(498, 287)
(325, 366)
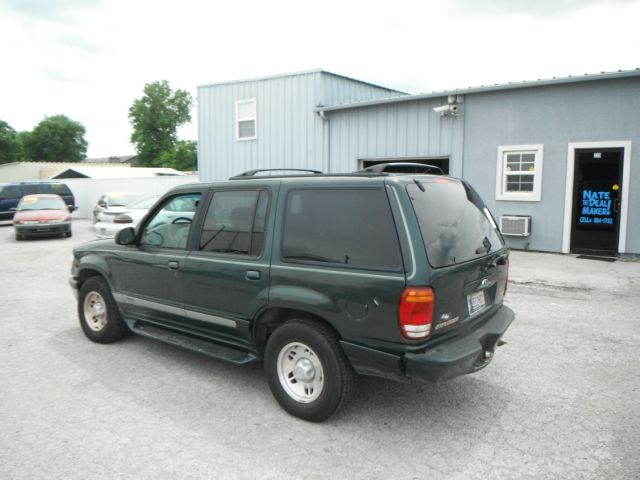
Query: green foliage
(155, 118)
(10, 147)
(55, 139)
(25, 146)
(183, 157)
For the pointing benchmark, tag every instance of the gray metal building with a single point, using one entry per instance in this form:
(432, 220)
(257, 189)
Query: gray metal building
(557, 161)
(271, 122)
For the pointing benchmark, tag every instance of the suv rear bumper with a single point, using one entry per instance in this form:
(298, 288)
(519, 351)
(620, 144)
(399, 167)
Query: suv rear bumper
(458, 356)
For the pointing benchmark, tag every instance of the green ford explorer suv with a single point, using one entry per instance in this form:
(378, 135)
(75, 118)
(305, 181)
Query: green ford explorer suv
(400, 276)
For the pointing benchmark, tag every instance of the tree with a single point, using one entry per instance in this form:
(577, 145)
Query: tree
(56, 139)
(25, 146)
(183, 157)
(10, 147)
(155, 119)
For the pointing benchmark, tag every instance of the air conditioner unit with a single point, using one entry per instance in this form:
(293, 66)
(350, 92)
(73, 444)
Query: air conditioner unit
(517, 226)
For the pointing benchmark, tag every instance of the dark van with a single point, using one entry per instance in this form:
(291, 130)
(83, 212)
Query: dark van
(11, 193)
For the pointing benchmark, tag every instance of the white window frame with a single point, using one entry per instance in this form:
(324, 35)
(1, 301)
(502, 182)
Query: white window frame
(244, 119)
(501, 173)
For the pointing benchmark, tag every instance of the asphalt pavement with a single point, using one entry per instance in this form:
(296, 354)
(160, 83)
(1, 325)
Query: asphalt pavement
(560, 400)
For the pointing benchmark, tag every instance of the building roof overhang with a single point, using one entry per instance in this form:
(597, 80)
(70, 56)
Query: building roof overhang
(587, 77)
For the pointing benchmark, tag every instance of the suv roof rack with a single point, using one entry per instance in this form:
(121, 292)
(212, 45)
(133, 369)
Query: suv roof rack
(403, 167)
(252, 173)
(379, 170)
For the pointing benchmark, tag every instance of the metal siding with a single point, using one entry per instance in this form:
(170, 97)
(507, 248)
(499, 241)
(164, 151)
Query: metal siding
(203, 144)
(393, 131)
(484, 89)
(289, 133)
(337, 90)
(553, 116)
(413, 127)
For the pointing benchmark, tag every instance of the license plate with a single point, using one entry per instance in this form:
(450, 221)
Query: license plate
(475, 301)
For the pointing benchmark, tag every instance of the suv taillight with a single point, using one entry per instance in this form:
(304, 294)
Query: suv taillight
(416, 312)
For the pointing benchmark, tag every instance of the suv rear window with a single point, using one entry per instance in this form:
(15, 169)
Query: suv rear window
(60, 189)
(348, 227)
(455, 224)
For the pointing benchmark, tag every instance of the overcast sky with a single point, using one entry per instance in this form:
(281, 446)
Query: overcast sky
(89, 59)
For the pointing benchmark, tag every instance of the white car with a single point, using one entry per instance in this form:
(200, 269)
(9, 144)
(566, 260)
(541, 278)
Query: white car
(114, 202)
(112, 221)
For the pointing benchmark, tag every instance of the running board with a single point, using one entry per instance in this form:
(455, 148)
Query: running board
(230, 354)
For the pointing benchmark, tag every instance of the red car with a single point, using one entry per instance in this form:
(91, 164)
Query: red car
(42, 215)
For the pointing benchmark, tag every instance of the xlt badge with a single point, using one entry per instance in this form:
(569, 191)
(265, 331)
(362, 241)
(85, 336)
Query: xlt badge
(446, 320)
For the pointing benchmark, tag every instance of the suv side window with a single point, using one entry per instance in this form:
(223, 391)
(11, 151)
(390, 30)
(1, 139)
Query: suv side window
(11, 192)
(235, 223)
(351, 227)
(170, 226)
(32, 189)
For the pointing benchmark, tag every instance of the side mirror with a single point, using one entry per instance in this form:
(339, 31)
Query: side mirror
(72, 208)
(126, 236)
(102, 204)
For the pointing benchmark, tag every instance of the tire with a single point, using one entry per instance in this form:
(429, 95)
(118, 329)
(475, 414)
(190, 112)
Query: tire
(68, 234)
(307, 371)
(98, 312)
(19, 237)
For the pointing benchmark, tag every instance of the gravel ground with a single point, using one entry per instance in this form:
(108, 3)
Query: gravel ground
(560, 400)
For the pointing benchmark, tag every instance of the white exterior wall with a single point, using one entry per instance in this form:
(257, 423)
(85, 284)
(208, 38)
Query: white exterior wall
(27, 171)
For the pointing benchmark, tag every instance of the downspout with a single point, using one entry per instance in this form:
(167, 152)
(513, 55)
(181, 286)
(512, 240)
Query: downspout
(325, 139)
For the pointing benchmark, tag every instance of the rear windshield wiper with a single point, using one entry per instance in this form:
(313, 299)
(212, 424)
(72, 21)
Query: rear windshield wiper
(485, 248)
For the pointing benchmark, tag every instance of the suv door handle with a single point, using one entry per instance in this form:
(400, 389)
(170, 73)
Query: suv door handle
(173, 265)
(253, 275)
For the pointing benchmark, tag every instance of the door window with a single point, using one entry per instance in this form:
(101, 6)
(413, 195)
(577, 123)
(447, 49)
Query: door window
(235, 223)
(170, 226)
(597, 194)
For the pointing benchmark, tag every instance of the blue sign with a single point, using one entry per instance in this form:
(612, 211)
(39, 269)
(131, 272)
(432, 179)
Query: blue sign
(596, 208)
